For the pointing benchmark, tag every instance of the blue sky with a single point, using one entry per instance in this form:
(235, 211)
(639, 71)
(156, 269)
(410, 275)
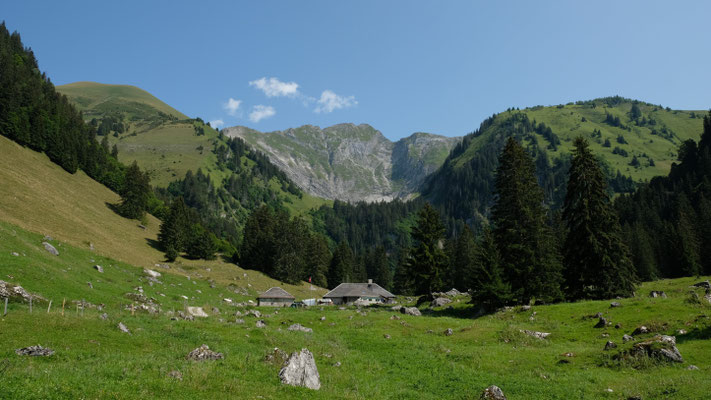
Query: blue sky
(400, 66)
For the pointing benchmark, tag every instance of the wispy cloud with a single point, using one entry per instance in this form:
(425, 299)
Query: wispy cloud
(330, 101)
(261, 112)
(273, 87)
(217, 123)
(232, 106)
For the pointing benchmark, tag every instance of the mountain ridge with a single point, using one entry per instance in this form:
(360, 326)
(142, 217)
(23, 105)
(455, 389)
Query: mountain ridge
(350, 162)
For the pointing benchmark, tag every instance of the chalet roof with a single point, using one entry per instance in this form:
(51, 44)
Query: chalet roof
(275, 293)
(358, 290)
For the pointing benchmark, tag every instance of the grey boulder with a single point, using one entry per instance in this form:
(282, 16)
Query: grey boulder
(300, 370)
(50, 249)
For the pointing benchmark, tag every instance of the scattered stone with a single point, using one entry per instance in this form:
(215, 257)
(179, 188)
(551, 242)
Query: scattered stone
(568, 354)
(525, 307)
(692, 368)
(175, 374)
(661, 347)
(337, 364)
(104, 316)
(396, 308)
(261, 324)
(448, 332)
(123, 328)
(299, 327)
(15, 254)
(239, 321)
(203, 353)
(99, 268)
(640, 331)
(414, 311)
(601, 323)
(90, 285)
(395, 317)
(142, 226)
(183, 316)
(151, 273)
(277, 356)
(50, 249)
(618, 326)
(681, 332)
(704, 284)
(215, 310)
(610, 345)
(605, 335)
(538, 335)
(386, 336)
(300, 370)
(322, 318)
(440, 302)
(615, 304)
(35, 351)
(15, 291)
(197, 312)
(453, 293)
(493, 392)
(256, 313)
(627, 338)
(655, 293)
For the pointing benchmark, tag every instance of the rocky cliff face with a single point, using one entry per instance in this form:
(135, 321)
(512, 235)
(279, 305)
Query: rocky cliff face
(350, 162)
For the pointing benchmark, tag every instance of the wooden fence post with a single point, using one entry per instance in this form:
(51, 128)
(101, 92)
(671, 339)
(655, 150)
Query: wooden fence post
(63, 303)
(49, 306)
(82, 307)
(5, 313)
(30, 304)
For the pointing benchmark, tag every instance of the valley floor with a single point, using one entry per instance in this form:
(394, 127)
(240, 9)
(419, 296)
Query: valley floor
(379, 356)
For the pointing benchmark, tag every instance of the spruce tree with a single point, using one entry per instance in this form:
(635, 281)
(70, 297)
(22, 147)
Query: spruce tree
(200, 243)
(529, 257)
(380, 268)
(257, 251)
(597, 262)
(463, 260)
(174, 230)
(428, 260)
(319, 258)
(489, 287)
(402, 281)
(135, 193)
(341, 267)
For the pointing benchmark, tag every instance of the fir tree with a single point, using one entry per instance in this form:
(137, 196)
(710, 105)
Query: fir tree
(463, 259)
(201, 243)
(379, 269)
(257, 251)
(402, 281)
(428, 260)
(319, 258)
(529, 257)
(135, 193)
(597, 262)
(174, 231)
(489, 288)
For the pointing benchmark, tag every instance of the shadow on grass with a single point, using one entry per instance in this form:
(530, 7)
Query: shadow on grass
(113, 207)
(154, 244)
(703, 333)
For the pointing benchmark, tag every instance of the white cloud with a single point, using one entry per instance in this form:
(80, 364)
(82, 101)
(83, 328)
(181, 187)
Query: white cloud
(261, 112)
(330, 101)
(273, 87)
(232, 106)
(217, 123)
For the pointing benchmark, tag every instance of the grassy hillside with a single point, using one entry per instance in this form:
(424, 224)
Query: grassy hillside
(38, 196)
(379, 357)
(657, 141)
(97, 99)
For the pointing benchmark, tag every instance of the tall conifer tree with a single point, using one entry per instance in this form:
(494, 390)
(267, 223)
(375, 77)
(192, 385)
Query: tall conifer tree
(597, 262)
(529, 256)
(428, 260)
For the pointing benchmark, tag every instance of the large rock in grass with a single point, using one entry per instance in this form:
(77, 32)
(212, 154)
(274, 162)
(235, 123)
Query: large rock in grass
(440, 302)
(300, 370)
(50, 249)
(197, 312)
(414, 311)
(151, 273)
(661, 347)
(299, 327)
(656, 293)
(493, 392)
(8, 290)
(204, 353)
(537, 335)
(34, 351)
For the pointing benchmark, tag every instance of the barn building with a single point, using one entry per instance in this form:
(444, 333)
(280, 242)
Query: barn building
(359, 293)
(275, 297)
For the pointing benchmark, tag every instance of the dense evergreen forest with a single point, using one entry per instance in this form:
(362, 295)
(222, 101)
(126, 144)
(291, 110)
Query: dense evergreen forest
(508, 223)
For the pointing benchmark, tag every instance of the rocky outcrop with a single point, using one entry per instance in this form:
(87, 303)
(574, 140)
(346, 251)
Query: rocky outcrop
(204, 353)
(660, 347)
(34, 351)
(493, 392)
(414, 311)
(350, 162)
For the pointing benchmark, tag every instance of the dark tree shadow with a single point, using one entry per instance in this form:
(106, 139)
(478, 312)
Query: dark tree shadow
(153, 243)
(113, 207)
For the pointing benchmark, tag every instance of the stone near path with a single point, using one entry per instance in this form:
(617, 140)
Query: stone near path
(300, 370)
(493, 392)
(203, 353)
(35, 351)
(50, 249)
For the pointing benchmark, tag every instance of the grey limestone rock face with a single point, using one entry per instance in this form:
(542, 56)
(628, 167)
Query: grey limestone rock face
(300, 370)
(350, 162)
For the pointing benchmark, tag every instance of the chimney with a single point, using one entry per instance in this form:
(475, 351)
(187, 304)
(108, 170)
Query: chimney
(370, 282)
